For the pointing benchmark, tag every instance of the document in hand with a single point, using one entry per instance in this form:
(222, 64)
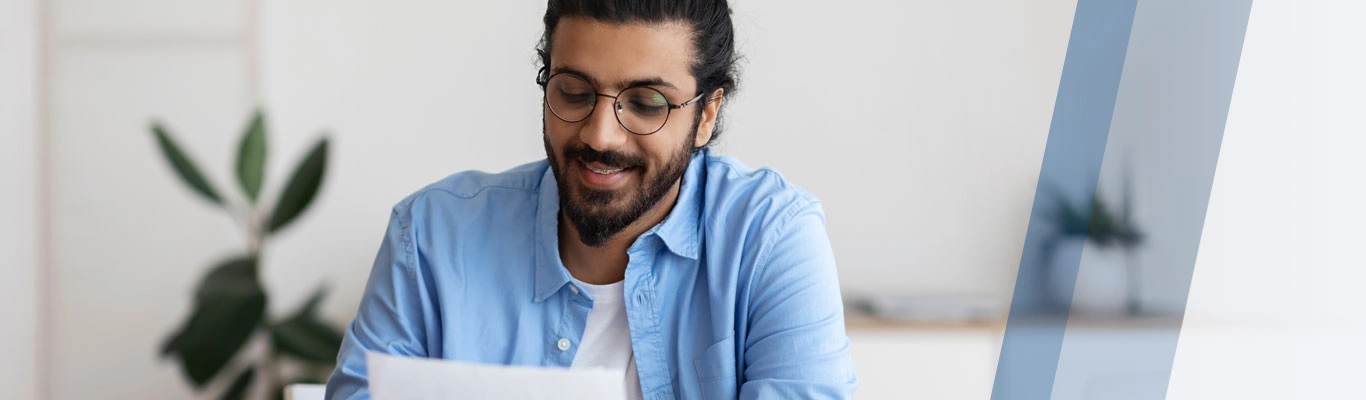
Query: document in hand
(408, 378)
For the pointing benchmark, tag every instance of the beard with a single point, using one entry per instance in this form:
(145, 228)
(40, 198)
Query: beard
(597, 214)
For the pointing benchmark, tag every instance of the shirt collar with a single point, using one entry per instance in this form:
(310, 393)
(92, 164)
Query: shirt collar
(550, 272)
(678, 231)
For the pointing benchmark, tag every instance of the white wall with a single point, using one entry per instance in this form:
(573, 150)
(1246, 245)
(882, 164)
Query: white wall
(19, 294)
(920, 124)
(411, 91)
(128, 240)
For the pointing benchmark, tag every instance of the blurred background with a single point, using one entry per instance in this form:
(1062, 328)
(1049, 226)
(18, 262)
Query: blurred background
(921, 125)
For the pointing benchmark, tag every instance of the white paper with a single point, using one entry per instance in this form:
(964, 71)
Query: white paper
(409, 378)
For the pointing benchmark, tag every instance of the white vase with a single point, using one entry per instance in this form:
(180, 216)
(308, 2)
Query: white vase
(1102, 285)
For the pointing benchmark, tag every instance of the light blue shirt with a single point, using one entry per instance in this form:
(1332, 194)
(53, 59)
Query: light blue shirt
(733, 295)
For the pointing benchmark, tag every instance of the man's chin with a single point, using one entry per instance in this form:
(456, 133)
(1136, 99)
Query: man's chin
(597, 222)
(599, 207)
(594, 198)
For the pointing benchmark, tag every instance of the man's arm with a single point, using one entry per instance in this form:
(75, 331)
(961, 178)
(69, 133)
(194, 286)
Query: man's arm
(393, 317)
(796, 347)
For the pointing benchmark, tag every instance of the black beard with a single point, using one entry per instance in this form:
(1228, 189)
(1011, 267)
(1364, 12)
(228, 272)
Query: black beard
(591, 212)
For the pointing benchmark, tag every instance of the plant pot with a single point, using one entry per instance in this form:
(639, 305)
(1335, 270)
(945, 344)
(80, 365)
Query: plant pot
(1102, 278)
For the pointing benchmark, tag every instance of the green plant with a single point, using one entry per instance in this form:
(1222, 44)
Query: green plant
(230, 304)
(1101, 225)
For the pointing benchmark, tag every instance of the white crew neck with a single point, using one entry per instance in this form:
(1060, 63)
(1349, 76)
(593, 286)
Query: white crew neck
(605, 293)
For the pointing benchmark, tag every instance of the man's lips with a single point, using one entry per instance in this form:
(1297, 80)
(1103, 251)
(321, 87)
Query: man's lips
(603, 176)
(601, 168)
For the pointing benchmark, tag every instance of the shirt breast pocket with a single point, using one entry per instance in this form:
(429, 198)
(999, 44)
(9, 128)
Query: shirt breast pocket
(716, 370)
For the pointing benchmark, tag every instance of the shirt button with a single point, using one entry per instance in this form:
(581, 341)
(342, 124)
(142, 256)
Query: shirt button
(563, 344)
(574, 289)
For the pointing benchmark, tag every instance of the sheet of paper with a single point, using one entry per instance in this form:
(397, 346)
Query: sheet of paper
(408, 378)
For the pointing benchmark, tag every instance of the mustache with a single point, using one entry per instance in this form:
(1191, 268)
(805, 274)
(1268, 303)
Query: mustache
(613, 159)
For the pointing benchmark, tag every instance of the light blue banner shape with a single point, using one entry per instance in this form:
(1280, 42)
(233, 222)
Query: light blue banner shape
(1140, 115)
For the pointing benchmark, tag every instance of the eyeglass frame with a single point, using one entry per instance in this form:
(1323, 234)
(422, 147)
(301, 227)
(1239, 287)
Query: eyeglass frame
(616, 102)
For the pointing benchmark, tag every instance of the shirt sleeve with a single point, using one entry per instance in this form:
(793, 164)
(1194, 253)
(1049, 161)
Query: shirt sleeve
(394, 316)
(796, 347)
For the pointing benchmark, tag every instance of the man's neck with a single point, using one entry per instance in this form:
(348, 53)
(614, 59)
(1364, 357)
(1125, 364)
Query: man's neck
(607, 264)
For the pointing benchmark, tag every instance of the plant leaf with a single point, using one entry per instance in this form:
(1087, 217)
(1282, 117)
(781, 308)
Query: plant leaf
(229, 306)
(183, 165)
(310, 307)
(302, 187)
(305, 336)
(307, 339)
(238, 390)
(251, 157)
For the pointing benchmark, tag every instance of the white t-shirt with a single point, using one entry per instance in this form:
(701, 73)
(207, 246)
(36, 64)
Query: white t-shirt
(606, 339)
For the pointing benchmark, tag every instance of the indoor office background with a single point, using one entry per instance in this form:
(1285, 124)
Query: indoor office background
(920, 124)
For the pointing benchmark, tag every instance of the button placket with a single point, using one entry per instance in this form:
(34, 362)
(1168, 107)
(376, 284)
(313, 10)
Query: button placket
(574, 310)
(645, 333)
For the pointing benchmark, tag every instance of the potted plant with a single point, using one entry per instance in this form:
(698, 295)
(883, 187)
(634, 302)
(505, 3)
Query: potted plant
(1105, 282)
(229, 304)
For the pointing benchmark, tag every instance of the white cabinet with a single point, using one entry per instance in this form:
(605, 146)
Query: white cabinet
(947, 363)
(1104, 359)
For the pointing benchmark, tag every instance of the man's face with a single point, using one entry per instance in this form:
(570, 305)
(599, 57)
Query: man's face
(608, 177)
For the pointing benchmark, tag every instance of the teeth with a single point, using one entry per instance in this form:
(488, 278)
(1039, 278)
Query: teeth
(603, 171)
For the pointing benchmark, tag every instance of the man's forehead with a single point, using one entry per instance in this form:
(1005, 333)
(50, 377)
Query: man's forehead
(618, 54)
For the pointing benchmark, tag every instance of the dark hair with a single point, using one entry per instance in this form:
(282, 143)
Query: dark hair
(714, 64)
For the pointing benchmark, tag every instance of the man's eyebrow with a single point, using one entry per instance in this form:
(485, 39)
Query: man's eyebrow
(649, 81)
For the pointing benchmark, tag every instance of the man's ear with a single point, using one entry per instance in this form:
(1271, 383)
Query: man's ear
(709, 113)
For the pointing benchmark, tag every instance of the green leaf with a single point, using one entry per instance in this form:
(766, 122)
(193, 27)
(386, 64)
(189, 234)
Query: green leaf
(302, 187)
(238, 390)
(307, 339)
(305, 336)
(229, 306)
(310, 306)
(184, 167)
(251, 157)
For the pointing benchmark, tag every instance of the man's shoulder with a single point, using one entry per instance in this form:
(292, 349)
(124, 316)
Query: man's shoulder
(519, 183)
(763, 195)
(747, 211)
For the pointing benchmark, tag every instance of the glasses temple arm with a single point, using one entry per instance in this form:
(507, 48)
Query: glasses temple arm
(686, 103)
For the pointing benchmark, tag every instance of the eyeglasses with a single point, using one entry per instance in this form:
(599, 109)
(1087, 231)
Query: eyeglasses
(642, 110)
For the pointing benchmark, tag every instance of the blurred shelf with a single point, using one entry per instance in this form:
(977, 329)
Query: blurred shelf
(863, 322)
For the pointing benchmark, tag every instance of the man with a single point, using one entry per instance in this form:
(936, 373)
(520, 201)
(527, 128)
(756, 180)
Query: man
(631, 247)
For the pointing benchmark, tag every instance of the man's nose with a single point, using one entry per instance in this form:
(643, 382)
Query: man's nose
(601, 131)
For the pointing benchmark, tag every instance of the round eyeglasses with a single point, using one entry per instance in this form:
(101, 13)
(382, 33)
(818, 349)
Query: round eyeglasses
(642, 110)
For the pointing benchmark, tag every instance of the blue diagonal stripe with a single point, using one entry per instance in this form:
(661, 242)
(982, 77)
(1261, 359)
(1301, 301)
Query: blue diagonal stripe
(1151, 81)
(1071, 167)
(1165, 136)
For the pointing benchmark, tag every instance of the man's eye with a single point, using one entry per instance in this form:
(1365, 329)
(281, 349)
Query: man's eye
(647, 109)
(576, 98)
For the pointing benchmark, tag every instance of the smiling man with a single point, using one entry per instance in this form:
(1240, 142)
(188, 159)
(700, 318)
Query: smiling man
(631, 247)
